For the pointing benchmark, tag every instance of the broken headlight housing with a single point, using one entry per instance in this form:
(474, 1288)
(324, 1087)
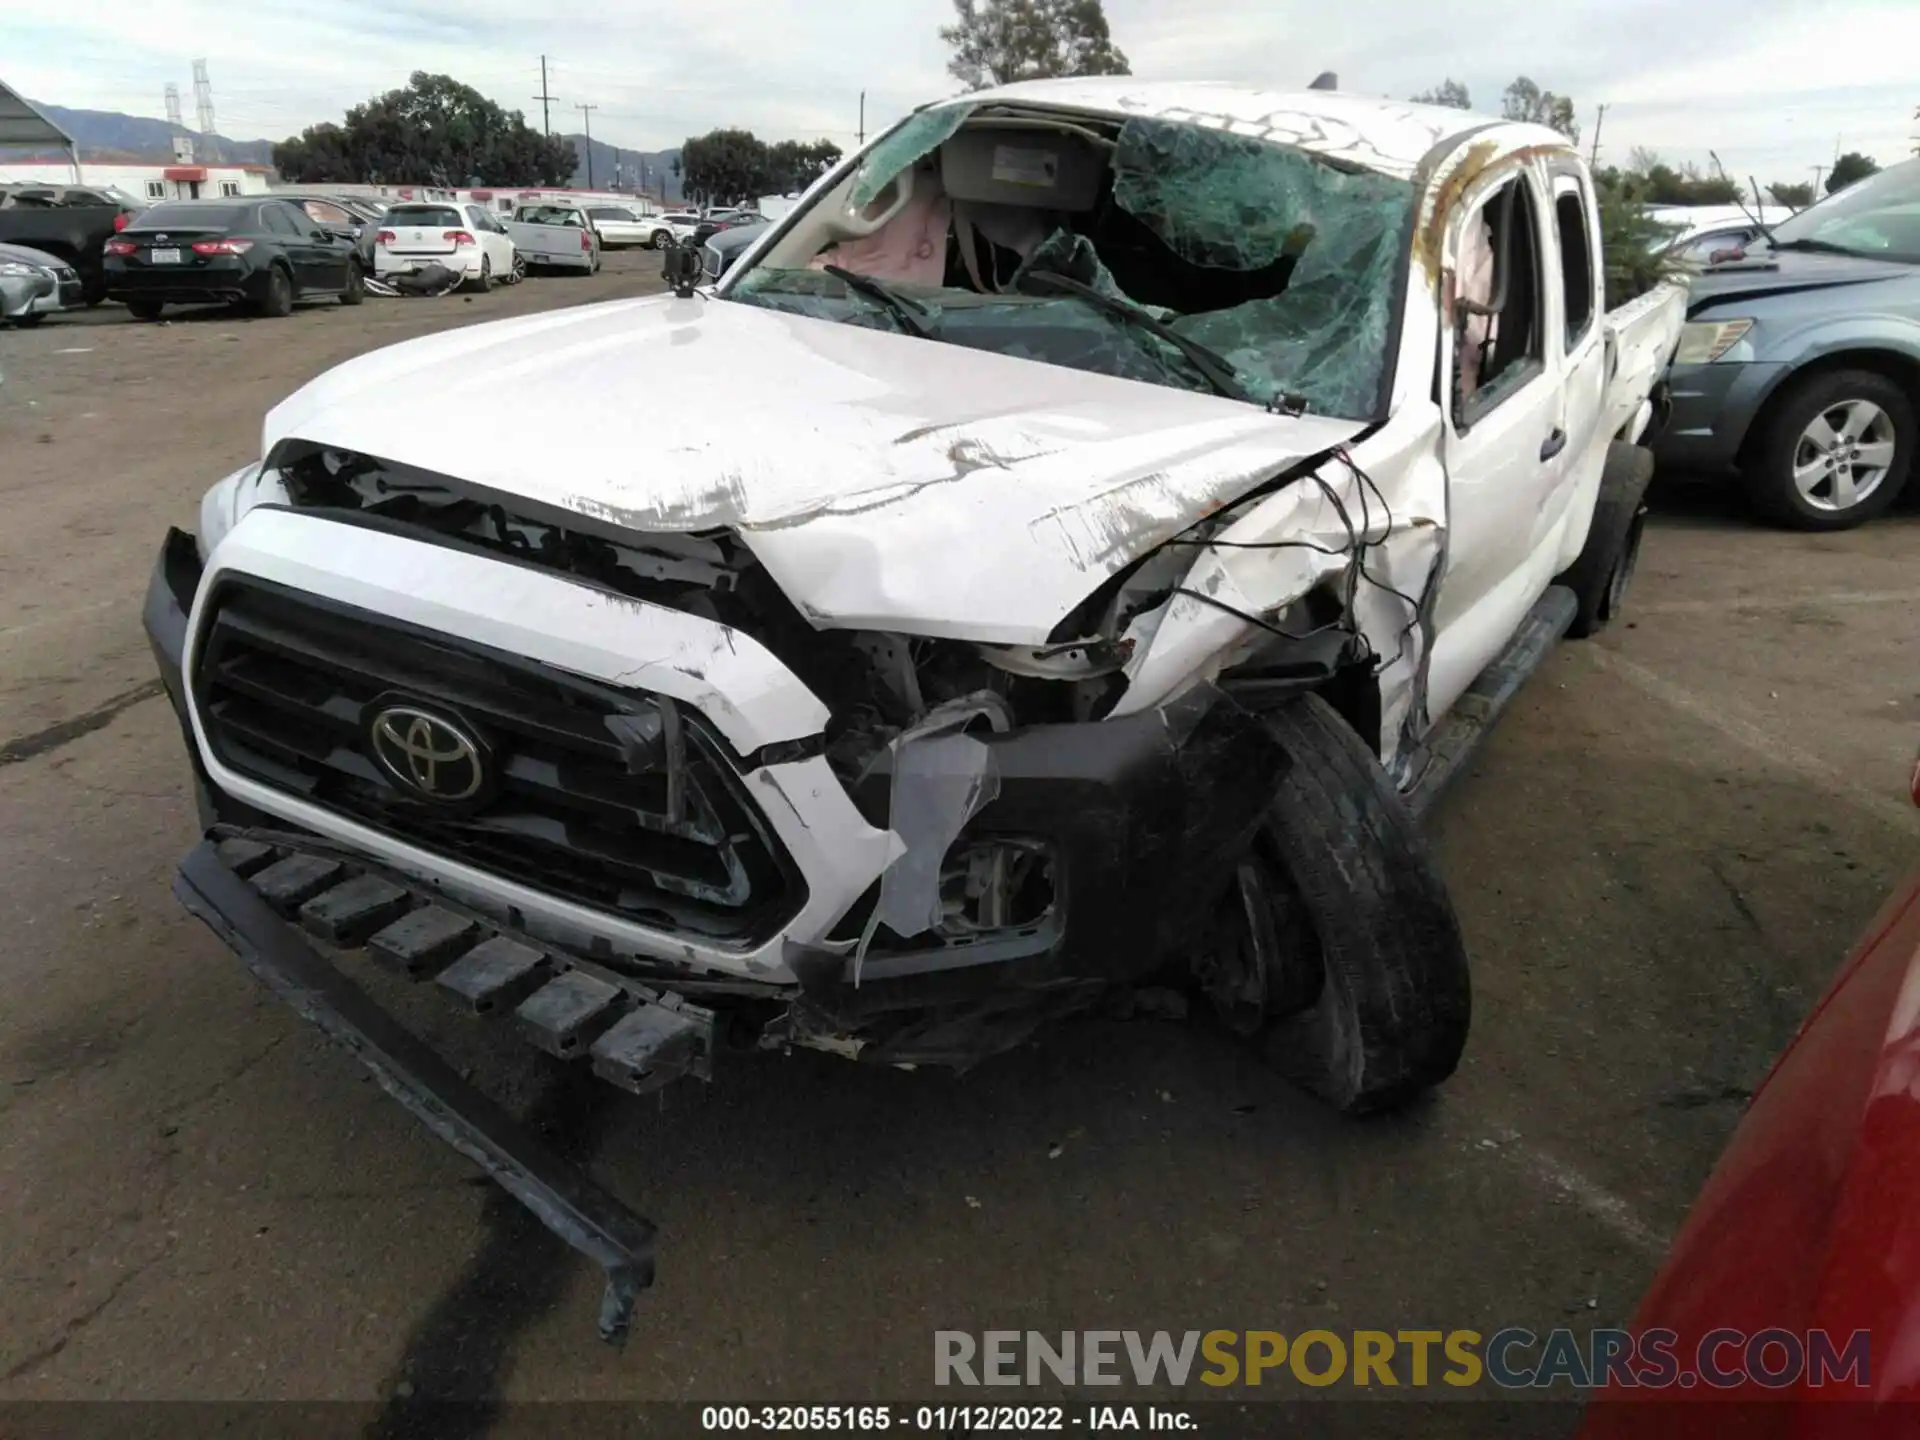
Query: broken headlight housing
(228, 499)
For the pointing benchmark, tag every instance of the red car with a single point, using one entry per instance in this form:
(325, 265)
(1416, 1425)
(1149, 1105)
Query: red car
(1796, 1278)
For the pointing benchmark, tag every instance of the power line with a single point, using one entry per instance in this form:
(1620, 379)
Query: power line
(586, 118)
(546, 118)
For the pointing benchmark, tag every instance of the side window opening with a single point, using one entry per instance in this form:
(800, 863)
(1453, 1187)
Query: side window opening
(1576, 264)
(1497, 316)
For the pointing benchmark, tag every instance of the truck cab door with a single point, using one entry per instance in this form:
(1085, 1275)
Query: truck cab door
(1504, 437)
(1585, 354)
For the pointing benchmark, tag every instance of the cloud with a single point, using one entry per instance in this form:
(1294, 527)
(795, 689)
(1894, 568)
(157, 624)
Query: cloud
(1768, 84)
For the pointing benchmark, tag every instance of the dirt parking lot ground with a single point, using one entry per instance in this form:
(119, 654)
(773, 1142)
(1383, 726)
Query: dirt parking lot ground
(1659, 859)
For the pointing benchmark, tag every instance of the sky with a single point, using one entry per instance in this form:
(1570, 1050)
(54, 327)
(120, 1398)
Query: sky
(1774, 86)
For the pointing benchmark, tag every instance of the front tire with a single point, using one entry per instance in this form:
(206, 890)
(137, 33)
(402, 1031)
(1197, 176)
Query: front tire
(356, 290)
(519, 271)
(27, 322)
(1363, 995)
(1601, 576)
(145, 309)
(1834, 451)
(660, 239)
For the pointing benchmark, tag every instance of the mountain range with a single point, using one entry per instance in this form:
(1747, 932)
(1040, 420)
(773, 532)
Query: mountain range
(107, 137)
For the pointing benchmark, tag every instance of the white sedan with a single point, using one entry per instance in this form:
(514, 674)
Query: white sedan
(674, 226)
(467, 239)
(617, 225)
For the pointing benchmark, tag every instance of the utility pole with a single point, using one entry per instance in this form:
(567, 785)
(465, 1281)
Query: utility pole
(586, 116)
(203, 96)
(546, 117)
(1593, 158)
(863, 118)
(1817, 171)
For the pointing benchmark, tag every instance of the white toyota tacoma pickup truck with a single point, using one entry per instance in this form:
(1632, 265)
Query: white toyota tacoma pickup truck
(1077, 542)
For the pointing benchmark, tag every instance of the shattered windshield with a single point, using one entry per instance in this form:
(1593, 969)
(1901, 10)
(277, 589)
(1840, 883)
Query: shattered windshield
(1239, 266)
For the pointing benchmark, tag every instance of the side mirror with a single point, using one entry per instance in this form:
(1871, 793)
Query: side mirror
(680, 268)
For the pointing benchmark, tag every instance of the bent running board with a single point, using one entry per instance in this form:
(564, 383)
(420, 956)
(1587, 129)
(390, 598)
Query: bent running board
(560, 1196)
(1453, 741)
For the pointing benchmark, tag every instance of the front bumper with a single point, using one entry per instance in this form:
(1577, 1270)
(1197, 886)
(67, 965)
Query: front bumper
(1144, 815)
(1713, 409)
(25, 294)
(1140, 815)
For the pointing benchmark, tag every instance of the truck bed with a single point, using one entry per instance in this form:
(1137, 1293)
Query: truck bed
(1641, 337)
(549, 244)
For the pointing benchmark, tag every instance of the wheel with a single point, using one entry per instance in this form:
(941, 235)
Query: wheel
(485, 282)
(660, 239)
(1832, 452)
(27, 322)
(356, 290)
(144, 309)
(519, 269)
(1340, 952)
(278, 301)
(1601, 576)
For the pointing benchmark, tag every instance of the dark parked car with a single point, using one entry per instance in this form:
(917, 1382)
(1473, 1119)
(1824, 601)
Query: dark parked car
(347, 215)
(263, 253)
(725, 220)
(70, 223)
(1800, 363)
(722, 249)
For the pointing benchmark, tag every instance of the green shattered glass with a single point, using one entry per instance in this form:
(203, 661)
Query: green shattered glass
(916, 136)
(1233, 202)
(1318, 248)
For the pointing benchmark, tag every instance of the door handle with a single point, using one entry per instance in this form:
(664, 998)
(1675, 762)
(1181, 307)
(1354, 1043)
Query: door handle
(1553, 444)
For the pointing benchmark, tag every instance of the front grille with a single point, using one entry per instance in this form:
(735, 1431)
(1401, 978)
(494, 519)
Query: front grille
(286, 689)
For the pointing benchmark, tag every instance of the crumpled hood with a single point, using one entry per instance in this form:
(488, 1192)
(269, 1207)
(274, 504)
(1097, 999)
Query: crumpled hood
(1791, 272)
(885, 482)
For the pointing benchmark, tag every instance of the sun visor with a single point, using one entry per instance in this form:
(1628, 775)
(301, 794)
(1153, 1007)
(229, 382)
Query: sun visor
(1041, 168)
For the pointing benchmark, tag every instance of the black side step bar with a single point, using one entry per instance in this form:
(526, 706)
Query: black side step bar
(560, 1196)
(1454, 740)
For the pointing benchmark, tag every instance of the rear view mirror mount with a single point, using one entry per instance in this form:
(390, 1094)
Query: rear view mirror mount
(680, 267)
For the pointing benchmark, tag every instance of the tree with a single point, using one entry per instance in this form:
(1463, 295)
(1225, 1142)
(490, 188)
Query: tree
(1525, 101)
(793, 165)
(1797, 196)
(1448, 92)
(1850, 167)
(436, 131)
(1658, 183)
(1632, 246)
(996, 42)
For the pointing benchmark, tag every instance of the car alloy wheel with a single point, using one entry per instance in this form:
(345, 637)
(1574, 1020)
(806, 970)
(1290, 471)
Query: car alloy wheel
(1844, 455)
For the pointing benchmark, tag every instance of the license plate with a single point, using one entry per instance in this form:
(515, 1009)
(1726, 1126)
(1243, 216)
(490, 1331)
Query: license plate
(166, 257)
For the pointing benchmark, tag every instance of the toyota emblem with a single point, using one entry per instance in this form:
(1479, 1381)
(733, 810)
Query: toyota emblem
(428, 755)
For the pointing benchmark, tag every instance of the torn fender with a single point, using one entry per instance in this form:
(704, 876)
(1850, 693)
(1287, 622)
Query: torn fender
(1389, 508)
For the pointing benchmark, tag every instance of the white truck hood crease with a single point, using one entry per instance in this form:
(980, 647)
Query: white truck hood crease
(885, 482)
